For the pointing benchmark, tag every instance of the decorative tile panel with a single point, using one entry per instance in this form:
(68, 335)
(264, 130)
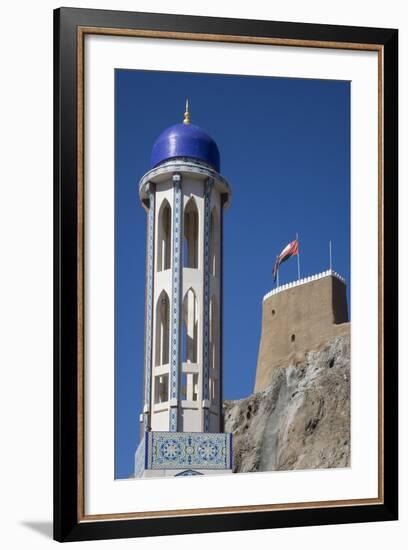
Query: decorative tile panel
(175, 302)
(149, 308)
(188, 450)
(206, 306)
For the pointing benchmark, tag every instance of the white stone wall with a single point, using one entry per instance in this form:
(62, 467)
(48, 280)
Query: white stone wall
(192, 403)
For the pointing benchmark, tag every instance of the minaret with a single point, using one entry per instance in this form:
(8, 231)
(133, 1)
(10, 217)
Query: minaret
(184, 196)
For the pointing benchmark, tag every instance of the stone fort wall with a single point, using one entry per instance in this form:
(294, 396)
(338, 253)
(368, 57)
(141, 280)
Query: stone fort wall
(300, 317)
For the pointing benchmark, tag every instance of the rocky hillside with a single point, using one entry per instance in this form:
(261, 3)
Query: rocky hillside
(302, 420)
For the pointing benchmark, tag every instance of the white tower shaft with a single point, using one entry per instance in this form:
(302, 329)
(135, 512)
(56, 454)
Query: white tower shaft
(183, 370)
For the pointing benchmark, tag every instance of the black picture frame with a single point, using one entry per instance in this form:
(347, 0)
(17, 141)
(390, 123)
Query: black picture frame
(68, 525)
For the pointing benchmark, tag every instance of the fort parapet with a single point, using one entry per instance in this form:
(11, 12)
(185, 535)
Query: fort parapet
(299, 317)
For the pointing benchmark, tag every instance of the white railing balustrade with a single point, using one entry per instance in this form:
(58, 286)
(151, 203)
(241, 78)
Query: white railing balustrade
(303, 281)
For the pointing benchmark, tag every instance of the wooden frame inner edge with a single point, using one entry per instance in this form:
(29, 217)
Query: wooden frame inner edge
(226, 38)
(81, 32)
(80, 278)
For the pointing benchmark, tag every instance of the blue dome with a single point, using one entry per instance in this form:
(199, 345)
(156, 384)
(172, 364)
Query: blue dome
(185, 140)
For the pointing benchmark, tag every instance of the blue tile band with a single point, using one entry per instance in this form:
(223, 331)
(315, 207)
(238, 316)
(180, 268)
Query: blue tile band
(206, 306)
(192, 450)
(175, 302)
(149, 309)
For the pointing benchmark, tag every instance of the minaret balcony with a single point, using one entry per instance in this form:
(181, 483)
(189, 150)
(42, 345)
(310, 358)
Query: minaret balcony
(161, 369)
(190, 367)
(163, 406)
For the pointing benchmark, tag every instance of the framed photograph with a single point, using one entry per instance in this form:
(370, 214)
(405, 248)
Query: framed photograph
(225, 274)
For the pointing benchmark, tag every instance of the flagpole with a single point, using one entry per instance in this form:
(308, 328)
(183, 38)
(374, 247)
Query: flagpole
(277, 272)
(298, 257)
(330, 254)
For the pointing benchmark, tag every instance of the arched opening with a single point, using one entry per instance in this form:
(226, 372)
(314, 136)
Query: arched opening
(189, 386)
(189, 345)
(190, 328)
(190, 234)
(214, 390)
(214, 335)
(162, 329)
(214, 243)
(161, 388)
(164, 237)
(214, 352)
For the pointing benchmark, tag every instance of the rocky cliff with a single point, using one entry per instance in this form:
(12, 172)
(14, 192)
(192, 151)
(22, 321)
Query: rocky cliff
(301, 420)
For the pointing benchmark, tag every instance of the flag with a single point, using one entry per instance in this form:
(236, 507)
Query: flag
(291, 249)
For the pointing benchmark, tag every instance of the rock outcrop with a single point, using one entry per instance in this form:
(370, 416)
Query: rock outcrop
(301, 420)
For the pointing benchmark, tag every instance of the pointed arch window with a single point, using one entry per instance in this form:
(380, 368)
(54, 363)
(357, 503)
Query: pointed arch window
(214, 334)
(164, 237)
(162, 329)
(189, 346)
(214, 243)
(214, 352)
(190, 328)
(191, 234)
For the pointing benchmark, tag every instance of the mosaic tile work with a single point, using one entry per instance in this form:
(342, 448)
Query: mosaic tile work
(175, 302)
(188, 450)
(206, 364)
(149, 307)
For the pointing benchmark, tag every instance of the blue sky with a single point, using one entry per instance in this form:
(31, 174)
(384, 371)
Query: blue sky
(285, 150)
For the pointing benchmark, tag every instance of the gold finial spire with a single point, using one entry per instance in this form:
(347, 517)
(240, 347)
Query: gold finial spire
(186, 114)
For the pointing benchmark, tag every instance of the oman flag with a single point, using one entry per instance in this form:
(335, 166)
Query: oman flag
(291, 249)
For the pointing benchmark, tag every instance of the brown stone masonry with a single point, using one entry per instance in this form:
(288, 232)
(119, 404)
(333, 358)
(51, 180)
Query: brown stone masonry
(299, 319)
